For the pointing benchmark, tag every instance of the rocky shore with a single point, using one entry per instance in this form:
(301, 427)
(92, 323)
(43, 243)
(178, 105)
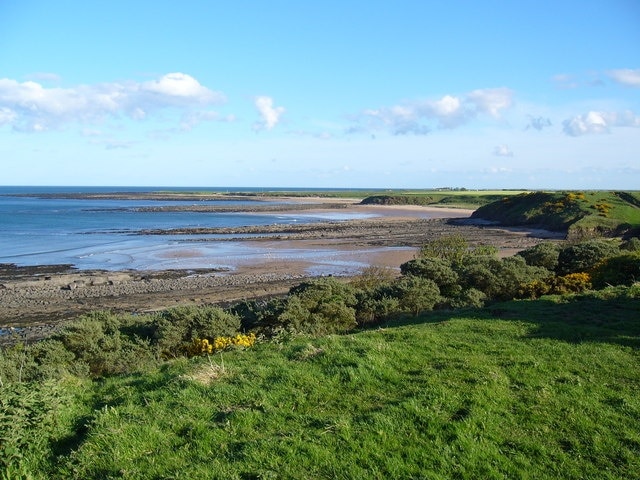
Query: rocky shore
(35, 300)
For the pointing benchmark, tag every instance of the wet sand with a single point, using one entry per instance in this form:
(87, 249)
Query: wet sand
(283, 255)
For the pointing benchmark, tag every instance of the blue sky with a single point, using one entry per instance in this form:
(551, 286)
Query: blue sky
(403, 94)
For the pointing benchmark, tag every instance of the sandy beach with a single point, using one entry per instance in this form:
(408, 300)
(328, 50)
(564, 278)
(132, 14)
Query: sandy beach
(43, 297)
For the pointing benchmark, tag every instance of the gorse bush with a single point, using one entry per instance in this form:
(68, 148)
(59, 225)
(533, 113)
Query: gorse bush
(583, 256)
(562, 285)
(203, 346)
(621, 269)
(177, 327)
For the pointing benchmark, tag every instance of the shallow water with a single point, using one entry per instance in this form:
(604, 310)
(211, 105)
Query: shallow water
(102, 234)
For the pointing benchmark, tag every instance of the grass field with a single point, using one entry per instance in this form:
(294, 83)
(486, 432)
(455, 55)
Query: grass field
(523, 389)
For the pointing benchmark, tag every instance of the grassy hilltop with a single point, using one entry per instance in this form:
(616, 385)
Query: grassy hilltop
(580, 214)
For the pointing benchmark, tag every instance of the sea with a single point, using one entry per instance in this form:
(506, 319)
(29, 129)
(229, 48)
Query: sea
(39, 228)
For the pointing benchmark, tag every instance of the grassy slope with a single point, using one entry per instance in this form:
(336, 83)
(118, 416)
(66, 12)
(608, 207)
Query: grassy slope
(543, 389)
(577, 213)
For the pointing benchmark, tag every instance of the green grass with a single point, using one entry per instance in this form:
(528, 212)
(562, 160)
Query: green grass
(527, 389)
(580, 214)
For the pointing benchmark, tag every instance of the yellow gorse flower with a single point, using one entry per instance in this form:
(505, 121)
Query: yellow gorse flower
(203, 346)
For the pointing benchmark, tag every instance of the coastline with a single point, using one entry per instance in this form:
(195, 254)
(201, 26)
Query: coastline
(43, 297)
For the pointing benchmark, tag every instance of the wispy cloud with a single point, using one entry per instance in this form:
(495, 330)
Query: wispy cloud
(626, 76)
(502, 151)
(419, 117)
(29, 106)
(269, 115)
(595, 122)
(538, 123)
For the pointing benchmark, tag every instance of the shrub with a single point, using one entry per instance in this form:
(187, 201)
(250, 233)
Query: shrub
(571, 283)
(27, 418)
(499, 278)
(177, 327)
(619, 270)
(436, 269)
(450, 247)
(373, 277)
(583, 256)
(202, 346)
(631, 245)
(97, 340)
(417, 294)
(261, 315)
(470, 297)
(375, 306)
(556, 285)
(54, 361)
(544, 254)
(320, 307)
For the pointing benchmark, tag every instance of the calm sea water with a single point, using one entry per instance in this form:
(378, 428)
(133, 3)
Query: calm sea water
(101, 234)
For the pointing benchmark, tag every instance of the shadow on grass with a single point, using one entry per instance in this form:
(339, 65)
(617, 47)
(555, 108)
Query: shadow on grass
(116, 391)
(575, 319)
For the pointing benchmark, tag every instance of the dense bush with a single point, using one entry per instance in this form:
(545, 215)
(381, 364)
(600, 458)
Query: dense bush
(439, 270)
(631, 245)
(177, 327)
(582, 257)
(260, 315)
(618, 270)
(544, 254)
(499, 278)
(417, 294)
(96, 340)
(471, 297)
(556, 285)
(452, 248)
(320, 307)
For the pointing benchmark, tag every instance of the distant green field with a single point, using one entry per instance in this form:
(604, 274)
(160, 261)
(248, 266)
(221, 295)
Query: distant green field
(471, 199)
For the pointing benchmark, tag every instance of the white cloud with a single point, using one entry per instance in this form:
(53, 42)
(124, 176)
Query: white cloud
(447, 112)
(491, 100)
(270, 115)
(502, 151)
(183, 86)
(28, 106)
(599, 122)
(626, 76)
(7, 116)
